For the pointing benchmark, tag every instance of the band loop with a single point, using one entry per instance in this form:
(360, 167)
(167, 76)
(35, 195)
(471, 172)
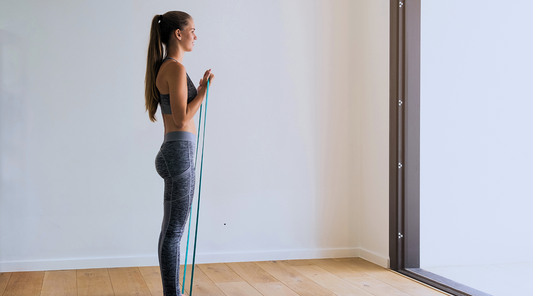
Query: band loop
(199, 193)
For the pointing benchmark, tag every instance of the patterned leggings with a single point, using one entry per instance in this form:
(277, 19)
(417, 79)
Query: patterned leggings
(175, 164)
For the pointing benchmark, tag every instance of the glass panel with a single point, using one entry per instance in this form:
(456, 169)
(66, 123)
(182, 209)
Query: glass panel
(476, 142)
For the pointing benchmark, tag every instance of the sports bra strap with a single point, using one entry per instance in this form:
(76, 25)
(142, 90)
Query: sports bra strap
(170, 58)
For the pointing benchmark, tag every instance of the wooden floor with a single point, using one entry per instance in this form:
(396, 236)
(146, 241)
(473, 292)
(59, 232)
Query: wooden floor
(341, 276)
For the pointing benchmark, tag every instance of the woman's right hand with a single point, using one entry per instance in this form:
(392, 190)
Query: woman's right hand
(203, 82)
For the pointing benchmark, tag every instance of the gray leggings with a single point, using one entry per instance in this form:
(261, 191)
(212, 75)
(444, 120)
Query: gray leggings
(175, 164)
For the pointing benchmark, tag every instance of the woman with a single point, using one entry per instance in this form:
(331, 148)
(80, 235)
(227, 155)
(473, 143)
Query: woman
(168, 85)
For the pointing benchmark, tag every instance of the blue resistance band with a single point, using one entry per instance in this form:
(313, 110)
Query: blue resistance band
(199, 192)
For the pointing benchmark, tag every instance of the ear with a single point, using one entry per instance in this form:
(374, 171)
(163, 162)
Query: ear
(177, 34)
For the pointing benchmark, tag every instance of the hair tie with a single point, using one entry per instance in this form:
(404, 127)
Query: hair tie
(160, 17)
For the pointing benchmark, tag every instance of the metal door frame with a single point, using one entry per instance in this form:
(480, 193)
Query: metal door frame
(404, 153)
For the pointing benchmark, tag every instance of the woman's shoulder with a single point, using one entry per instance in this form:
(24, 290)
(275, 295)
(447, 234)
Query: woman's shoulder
(170, 65)
(172, 68)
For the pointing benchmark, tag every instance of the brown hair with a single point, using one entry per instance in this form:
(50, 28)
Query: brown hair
(162, 27)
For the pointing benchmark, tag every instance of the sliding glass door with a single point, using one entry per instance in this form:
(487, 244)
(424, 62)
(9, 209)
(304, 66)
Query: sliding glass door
(464, 142)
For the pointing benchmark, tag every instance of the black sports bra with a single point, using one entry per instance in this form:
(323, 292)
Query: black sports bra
(164, 99)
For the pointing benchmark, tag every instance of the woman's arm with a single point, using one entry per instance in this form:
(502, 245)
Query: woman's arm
(177, 87)
(182, 112)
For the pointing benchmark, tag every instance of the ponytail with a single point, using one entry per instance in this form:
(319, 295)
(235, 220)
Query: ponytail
(155, 57)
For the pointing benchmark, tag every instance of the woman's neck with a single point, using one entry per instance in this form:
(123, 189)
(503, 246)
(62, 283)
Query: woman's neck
(176, 53)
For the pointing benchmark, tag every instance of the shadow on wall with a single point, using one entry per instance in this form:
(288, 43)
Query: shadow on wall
(336, 128)
(14, 130)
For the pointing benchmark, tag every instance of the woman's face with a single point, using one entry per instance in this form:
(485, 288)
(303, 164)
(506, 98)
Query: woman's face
(188, 36)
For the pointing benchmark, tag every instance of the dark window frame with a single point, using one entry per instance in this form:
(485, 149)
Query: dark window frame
(404, 153)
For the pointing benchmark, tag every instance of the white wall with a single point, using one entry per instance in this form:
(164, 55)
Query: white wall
(371, 86)
(296, 145)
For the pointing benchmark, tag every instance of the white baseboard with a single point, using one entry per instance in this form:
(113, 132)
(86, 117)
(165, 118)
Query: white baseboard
(77, 263)
(374, 258)
(291, 254)
(201, 258)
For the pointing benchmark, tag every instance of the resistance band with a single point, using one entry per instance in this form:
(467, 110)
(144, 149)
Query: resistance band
(199, 192)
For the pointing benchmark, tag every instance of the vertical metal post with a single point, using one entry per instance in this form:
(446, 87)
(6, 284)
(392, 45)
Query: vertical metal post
(394, 252)
(401, 134)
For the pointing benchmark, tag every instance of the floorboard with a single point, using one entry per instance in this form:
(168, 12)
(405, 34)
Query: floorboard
(312, 277)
